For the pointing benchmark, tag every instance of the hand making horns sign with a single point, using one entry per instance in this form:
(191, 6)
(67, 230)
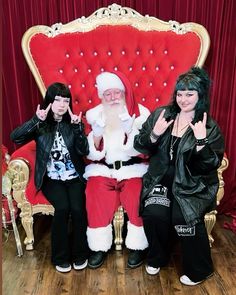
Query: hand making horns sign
(161, 124)
(74, 118)
(199, 128)
(41, 113)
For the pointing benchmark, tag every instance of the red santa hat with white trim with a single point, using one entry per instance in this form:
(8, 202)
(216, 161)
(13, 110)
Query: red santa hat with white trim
(109, 80)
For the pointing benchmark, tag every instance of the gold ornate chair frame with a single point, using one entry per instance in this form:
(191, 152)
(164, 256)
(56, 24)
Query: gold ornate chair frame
(114, 15)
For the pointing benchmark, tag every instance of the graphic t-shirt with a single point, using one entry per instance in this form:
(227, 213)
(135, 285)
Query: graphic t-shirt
(60, 166)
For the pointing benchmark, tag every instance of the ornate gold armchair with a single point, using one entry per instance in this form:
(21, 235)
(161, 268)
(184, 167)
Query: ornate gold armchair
(151, 53)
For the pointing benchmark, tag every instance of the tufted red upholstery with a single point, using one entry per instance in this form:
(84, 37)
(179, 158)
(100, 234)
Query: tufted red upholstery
(151, 60)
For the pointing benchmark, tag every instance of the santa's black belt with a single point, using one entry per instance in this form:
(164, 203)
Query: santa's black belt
(118, 164)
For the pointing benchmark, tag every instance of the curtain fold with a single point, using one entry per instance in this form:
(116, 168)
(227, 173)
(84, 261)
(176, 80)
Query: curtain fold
(21, 95)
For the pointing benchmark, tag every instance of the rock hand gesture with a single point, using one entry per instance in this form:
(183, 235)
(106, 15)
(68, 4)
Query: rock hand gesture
(41, 113)
(74, 118)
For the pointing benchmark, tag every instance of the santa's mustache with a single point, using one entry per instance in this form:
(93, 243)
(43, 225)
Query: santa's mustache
(114, 102)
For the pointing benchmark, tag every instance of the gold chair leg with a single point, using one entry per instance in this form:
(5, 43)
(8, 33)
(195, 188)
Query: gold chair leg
(27, 222)
(6, 191)
(118, 223)
(19, 174)
(210, 220)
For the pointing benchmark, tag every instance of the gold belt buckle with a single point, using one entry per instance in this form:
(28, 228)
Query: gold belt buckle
(117, 165)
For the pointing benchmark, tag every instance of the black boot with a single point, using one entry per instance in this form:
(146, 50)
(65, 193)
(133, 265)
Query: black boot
(136, 258)
(96, 259)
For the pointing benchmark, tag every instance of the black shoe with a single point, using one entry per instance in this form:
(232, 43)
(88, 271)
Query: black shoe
(135, 258)
(65, 267)
(78, 265)
(96, 259)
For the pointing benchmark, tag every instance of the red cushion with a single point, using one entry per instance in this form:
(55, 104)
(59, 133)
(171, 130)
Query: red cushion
(27, 152)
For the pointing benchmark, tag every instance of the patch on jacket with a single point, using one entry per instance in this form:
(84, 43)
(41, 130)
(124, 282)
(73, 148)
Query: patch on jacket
(185, 230)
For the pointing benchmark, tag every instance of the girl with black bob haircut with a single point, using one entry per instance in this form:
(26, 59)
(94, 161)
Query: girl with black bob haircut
(186, 147)
(56, 89)
(60, 146)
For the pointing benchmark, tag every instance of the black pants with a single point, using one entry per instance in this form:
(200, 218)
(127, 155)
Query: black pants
(68, 199)
(196, 256)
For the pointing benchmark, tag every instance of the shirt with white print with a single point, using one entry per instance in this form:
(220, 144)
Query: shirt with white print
(60, 166)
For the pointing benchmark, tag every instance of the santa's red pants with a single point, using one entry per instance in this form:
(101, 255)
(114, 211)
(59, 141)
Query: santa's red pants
(104, 195)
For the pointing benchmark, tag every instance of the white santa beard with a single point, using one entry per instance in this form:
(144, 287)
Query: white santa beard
(112, 113)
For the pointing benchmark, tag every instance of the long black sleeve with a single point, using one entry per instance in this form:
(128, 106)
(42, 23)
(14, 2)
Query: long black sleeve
(26, 132)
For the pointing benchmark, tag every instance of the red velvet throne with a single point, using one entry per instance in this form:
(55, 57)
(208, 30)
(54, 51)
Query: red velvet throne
(152, 54)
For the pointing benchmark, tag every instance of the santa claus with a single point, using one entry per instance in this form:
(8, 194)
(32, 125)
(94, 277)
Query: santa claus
(115, 175)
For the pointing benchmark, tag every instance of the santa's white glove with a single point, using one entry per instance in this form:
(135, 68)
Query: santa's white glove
(98, 127)
(127, 122)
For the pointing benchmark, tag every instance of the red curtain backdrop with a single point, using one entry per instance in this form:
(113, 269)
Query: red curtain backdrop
(21, 95)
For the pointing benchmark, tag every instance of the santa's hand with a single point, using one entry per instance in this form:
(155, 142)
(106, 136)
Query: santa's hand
(127, 122)
(98, 127)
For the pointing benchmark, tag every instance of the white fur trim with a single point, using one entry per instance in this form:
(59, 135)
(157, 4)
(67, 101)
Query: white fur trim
(144, 114)
(125, 172)
(113, 149)
(94, 154)
(135, 239)
(106, 81)
(97, 170)
(93, 114)
(100, 238)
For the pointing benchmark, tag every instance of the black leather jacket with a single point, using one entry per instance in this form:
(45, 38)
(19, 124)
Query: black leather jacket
(44, 133)
(196, 181)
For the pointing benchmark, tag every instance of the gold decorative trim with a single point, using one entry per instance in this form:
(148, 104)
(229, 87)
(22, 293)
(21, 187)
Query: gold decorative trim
(223, 167)
(44, 209)
(113, 15)
(210, 218)
(6, 191)
(18, 172)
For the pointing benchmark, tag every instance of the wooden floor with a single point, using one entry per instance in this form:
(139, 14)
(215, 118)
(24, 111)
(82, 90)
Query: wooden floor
(33, 274)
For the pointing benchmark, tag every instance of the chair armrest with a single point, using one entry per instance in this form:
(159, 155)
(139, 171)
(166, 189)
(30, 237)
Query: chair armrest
(22, 174)
(29, 201)
(18, 171)
(210, 217)
(221, 169)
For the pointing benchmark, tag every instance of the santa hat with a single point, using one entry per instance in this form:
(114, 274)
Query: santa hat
(108, 80)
